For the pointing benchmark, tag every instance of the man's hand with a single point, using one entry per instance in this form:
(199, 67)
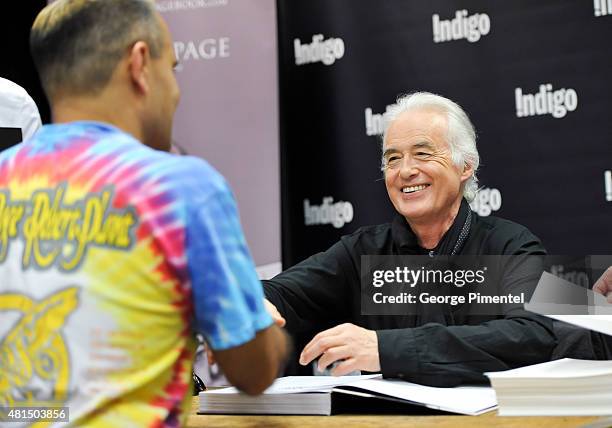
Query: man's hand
(355, 347)
(275, 314)
(604, 284)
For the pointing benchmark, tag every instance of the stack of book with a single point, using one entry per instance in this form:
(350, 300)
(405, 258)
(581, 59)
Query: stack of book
(564, 387)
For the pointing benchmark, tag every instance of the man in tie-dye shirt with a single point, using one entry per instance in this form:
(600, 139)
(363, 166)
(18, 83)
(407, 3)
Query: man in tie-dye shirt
(113, 252)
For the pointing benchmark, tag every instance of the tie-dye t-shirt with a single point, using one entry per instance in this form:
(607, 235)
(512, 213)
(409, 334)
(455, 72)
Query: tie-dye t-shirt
(111, 256)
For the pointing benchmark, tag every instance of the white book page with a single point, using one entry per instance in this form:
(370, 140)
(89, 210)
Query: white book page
(600, 323)
(463, 399)
(297, 384)
(565, 368)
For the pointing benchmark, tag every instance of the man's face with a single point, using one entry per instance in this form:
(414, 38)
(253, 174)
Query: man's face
(422, 181)
(164, 95)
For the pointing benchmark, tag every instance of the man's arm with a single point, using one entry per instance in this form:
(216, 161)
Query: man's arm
(437, 354)
(253, 366)
(446, 356)
(227, 296)
(312, 293)
(449, 355)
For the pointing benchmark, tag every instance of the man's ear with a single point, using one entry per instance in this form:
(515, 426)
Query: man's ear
(467, 172)
(138, 66)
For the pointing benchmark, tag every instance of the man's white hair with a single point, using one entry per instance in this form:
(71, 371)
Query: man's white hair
(461, 137)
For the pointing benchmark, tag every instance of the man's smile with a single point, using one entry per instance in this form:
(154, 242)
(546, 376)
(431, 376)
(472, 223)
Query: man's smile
(413, 189)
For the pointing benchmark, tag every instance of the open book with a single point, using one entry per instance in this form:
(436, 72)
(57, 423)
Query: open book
(325, 395)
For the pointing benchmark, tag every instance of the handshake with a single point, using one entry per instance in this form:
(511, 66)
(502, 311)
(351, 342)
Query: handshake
(346, 347)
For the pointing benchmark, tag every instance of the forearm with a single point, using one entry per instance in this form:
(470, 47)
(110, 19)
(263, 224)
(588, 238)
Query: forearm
(440, 355)
(301, 314)
(253, 366)
(312, 293)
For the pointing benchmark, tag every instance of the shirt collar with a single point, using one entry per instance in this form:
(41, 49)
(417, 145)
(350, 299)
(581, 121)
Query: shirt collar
(406, 241)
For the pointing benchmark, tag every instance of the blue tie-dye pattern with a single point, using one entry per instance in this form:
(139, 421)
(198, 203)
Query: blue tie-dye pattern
(227, 296)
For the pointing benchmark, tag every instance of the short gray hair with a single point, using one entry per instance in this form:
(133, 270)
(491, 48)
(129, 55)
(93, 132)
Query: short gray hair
(461, 136)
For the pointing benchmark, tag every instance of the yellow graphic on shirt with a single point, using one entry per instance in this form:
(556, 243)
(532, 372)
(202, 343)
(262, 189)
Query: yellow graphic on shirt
(10, 216)
(33, 355)
(57, 233)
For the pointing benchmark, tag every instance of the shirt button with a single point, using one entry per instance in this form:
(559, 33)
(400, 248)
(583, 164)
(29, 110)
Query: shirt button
(400, 375)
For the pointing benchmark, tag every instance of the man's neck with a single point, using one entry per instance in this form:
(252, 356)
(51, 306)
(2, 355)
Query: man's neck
(429, 233)
(88, 109)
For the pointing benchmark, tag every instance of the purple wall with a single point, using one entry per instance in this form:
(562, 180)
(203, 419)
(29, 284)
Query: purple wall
(228, 112)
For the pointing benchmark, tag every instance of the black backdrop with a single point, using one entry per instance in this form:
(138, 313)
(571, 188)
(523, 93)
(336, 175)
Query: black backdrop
(548, 172)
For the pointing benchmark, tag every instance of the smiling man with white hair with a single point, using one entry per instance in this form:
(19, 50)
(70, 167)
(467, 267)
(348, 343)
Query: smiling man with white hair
(429, 163)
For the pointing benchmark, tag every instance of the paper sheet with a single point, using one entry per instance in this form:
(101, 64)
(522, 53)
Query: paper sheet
(564, 368)
(464, 399)
(297, 384)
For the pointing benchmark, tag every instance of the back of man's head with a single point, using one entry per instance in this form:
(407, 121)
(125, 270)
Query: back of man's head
(77, 44)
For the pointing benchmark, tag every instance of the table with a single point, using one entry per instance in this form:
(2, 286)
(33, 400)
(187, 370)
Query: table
(377, 421)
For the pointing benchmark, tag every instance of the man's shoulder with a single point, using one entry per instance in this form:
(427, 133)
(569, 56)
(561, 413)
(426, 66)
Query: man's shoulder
(12, 91)
(499, 224)
(369, 238)
(495, 235)
(186, 177)
(195, 176)
(16, 105)
(191, 176)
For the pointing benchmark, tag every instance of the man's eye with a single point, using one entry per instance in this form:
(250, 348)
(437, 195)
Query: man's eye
(393, 160)
(423, 154)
